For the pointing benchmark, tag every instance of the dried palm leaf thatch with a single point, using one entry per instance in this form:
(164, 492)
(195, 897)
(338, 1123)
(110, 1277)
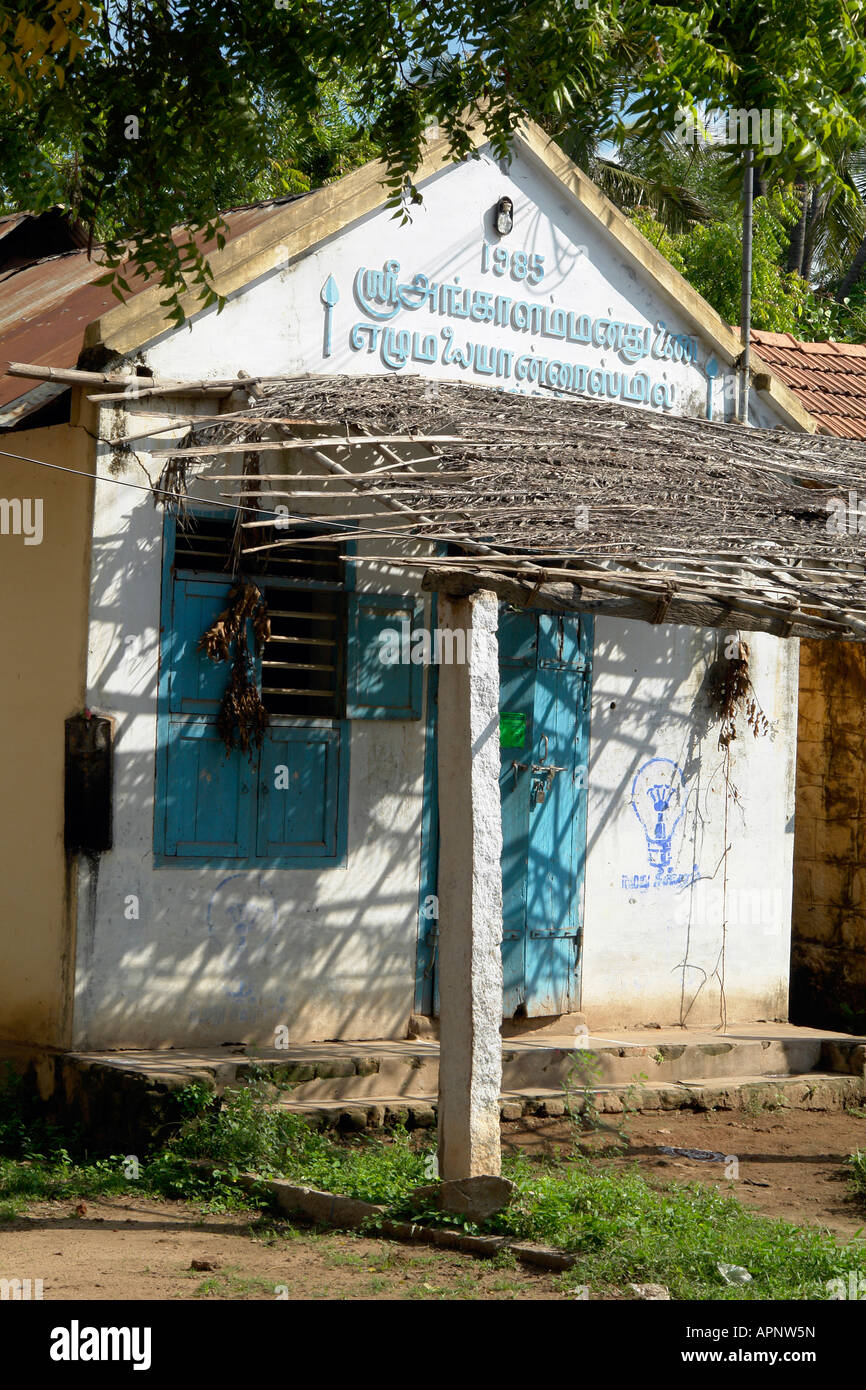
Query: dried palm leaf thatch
(662, 518)
(242, 719)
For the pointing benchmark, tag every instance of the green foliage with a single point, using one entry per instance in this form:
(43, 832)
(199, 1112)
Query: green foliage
(857, 1166)
(804, 60)
(145, 117)
(713, 263)
(39, 40)
(248, 1134)
(622, 1230)
(59, 1177)
(628, 1232)
(710, 257)
(658, 235)
(25, 1131)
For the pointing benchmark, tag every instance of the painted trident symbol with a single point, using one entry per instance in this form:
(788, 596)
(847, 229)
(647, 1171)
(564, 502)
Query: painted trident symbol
(330, 296)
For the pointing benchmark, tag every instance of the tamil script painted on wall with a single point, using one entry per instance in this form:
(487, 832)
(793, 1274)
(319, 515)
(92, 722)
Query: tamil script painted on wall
(382, 295)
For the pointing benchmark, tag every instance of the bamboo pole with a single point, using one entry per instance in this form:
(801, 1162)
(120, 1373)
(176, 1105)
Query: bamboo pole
(424, 478)
(182, 389)
(70, 376)
(331, 442)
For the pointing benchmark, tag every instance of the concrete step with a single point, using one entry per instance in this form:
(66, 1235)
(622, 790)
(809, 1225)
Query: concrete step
(342, 1072)
(754, 1094)
(127, 1099)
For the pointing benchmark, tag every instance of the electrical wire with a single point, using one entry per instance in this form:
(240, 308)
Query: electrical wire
(164, 492)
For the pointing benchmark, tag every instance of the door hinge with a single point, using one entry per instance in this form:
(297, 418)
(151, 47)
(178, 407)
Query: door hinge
(552, 933)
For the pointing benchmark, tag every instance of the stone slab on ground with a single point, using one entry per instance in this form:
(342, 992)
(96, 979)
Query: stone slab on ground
(477, 1197)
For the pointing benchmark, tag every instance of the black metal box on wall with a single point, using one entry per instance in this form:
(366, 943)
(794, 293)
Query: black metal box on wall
(87, 801)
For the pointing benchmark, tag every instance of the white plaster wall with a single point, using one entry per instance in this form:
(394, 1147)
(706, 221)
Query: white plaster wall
(216, 956)
(223, 955)
(663, 954)
(277, 324)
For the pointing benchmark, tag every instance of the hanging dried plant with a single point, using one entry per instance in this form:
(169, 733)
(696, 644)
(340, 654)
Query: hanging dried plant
(731, 693)
(243, 718)
(172, 486)
(245, 603)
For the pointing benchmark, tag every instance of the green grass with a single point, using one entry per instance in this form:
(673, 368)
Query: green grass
(628, 1232)
(243, 1134)
(230, 1283)
(35, 1162)
(58, 1179)
(622, 1230)
(857, 1172)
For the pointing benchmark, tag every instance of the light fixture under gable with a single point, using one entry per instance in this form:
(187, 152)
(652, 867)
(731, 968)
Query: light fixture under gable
(503, 216)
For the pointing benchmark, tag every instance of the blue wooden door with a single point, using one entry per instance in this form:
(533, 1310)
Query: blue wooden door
(545, 673)
(518, 657)
(544, 687)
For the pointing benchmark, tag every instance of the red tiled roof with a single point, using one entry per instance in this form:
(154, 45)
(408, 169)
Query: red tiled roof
(829, 379)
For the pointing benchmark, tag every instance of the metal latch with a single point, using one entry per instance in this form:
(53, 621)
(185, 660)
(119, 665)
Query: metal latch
(518, 767)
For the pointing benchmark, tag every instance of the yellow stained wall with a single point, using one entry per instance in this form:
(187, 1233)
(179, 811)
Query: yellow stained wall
(43, 641)
(828, 950)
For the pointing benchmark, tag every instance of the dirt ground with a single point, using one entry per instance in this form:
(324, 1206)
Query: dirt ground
(790, 1165)
(126, 1248)
(790, 1162)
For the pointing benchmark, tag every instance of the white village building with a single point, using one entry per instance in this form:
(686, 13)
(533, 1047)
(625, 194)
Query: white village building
(306, 885)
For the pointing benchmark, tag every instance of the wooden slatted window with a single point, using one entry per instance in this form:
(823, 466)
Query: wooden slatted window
(287, 803)
(303, 665)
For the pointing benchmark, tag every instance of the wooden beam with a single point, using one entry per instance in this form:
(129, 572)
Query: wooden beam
(71, 376)
(559, 597)
(183, 388)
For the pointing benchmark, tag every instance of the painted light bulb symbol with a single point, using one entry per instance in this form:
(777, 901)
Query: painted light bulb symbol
(659, 802)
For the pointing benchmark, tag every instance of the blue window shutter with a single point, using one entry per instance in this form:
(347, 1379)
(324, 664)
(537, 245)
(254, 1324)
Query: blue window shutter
(377, 689)
(196, 684)
(211, 808)
(209, 797)
(302, 801)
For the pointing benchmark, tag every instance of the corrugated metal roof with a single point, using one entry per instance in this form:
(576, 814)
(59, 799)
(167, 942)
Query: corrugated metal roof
(10, 221)
(45, 307)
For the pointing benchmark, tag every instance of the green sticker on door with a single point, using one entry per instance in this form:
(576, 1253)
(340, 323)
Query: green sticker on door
(512, 730)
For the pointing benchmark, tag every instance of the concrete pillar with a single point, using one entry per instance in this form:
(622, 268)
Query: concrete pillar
(470, 892)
